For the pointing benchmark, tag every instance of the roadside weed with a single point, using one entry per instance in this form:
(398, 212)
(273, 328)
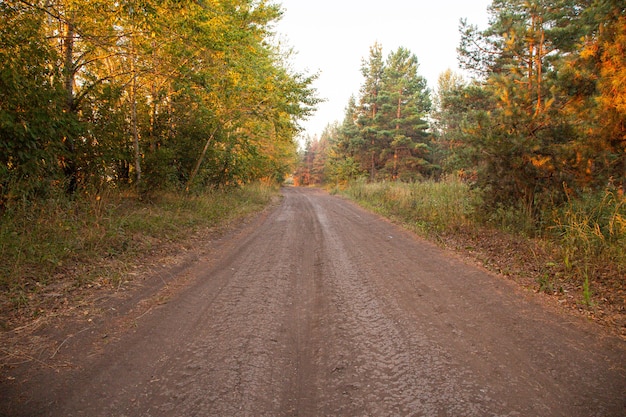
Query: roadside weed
(45, 242)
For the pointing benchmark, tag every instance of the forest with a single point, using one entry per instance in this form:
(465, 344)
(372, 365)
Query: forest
(542, 119)
(542, 122)
(110, 105)
(533, 142)
(147, 94)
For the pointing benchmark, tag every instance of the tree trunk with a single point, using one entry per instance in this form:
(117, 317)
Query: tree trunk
(395, 164)
(135, 130)
(394, 175)
(538, 64)
(196, 168)
(399, 111)
(69, 160)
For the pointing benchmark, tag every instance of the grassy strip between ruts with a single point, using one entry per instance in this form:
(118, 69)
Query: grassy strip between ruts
(579, 260)
(48, 247)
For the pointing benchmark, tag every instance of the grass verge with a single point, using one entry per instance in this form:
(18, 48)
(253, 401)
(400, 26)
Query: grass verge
(579, 259)
(50, 247)
(427, 207)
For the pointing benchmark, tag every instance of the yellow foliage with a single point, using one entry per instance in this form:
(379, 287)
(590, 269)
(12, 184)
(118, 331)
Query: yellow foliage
(589, 51)
(235, 77)
(613, 70)
(541, 161)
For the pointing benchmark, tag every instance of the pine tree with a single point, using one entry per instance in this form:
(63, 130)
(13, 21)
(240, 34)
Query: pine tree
(385, 132)
(372, 70)
(523, 139)
(405, 102)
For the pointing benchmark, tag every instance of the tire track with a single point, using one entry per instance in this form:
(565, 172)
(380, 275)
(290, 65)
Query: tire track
(390, 371)
(324, 309)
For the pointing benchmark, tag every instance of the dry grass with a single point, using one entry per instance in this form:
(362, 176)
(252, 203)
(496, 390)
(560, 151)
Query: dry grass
(50, 248)
(427, 206)
(579, 259)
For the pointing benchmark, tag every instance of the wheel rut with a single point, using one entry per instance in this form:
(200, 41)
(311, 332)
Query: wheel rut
(325, 309)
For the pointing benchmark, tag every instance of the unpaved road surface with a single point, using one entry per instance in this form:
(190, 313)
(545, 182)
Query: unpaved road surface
(318, 308)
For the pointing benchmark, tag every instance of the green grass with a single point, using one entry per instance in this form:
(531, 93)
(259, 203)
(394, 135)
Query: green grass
(586, 237)
(592, 228)
(427, 206)
(48, 241)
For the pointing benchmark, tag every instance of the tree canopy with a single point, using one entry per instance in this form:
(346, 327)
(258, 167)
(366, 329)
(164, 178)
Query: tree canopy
(384, 132)
(544, 119)
(150, 93)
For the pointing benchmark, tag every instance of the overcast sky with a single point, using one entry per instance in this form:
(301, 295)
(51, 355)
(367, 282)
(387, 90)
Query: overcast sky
(333, 36)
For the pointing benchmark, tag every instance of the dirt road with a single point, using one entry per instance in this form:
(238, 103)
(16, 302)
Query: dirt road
(319, 308)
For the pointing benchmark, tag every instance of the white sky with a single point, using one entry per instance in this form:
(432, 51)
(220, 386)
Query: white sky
(332, 36)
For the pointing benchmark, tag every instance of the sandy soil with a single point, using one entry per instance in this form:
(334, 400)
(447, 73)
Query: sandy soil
(319, 308)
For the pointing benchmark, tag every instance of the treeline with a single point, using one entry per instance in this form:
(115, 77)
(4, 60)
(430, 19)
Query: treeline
(542, 123)
(384, 134)
(147, 94)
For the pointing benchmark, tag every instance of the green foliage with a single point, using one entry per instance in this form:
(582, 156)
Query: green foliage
(587, 292)
(160, 171)
(32, 121)
(385, 132)
(538, 127)
(592, 228)
(155, 95)
(46, 242)
(541, 133)
(428, 206)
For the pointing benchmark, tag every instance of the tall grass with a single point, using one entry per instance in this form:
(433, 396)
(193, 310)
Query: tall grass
(588, 233)
(428, 206)
(591, 230)
(45, 241)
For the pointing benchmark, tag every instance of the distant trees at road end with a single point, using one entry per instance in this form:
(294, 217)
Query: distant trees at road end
(542, 122)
